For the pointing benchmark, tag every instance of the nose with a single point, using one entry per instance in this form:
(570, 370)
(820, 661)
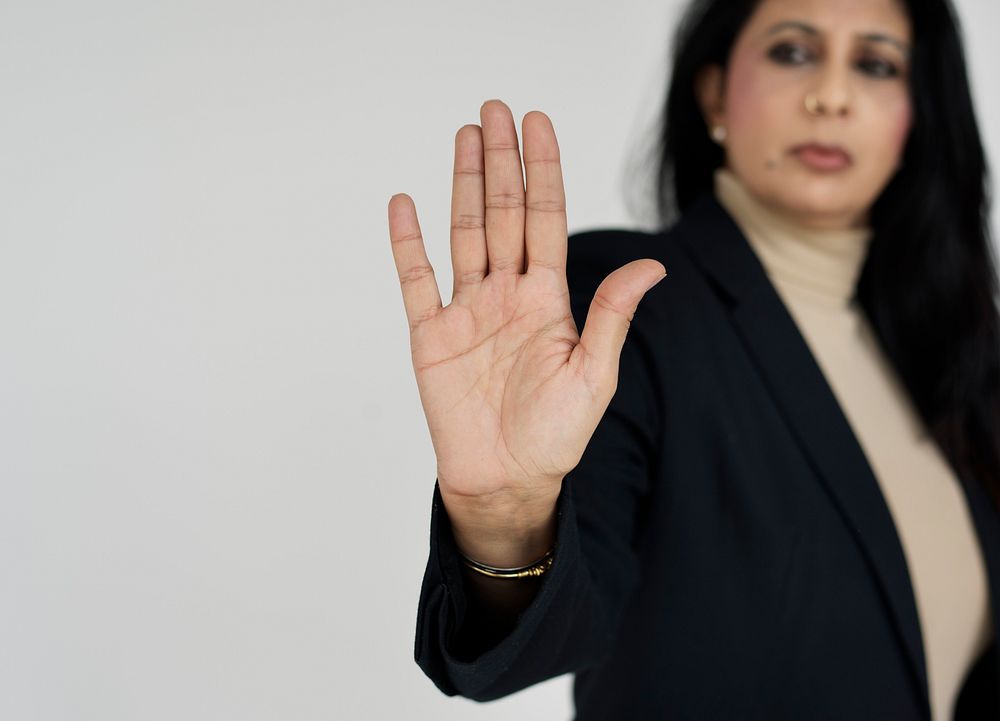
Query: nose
(832, 93)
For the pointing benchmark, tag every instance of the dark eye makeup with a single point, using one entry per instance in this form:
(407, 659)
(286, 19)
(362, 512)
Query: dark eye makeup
(786, 53)
(789, 54)
(879, 68)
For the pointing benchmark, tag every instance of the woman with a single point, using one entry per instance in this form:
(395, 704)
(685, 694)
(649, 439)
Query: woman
(778, 497)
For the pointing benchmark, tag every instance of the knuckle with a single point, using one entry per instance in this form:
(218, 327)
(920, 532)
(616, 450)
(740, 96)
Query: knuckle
(548, 265)
(406, 237)
(505, 200)
(470, 277)
(415, 273)
(602, 301)
(501, 264)
(546, 205)
(468, 222)
(421, 318)
(500, 147)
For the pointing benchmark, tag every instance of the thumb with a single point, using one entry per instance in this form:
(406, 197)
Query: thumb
(610, 315)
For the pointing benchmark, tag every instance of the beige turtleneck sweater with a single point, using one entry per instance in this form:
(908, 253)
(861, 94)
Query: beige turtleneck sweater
(814, 272)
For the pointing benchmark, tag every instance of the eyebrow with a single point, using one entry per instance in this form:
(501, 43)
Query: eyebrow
(807, 28)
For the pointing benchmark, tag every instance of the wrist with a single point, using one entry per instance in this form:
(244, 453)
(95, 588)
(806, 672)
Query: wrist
(503, 537)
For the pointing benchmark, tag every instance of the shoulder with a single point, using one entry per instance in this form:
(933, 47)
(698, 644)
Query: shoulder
(684, 247)
(685, 304)
(593, 254)
(614, 246)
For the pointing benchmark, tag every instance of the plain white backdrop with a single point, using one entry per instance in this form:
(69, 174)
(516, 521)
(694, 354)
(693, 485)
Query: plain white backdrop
(215, 475)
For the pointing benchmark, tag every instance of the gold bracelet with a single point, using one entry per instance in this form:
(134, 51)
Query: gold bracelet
(532, 570)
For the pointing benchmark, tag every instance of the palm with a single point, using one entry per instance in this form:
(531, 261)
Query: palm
(511, 392)
(498, 390)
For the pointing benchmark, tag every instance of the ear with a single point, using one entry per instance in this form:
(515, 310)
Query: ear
(709, 89)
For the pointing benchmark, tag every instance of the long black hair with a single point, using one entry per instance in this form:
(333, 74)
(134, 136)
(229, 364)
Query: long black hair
(929, 282)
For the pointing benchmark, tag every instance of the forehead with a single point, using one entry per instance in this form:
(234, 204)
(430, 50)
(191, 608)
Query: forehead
(831, 16)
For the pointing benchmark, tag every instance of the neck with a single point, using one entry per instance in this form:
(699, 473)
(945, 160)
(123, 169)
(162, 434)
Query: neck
(825, 222)
(822, 263)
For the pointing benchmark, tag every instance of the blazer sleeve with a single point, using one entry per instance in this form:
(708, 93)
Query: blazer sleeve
(572, 620)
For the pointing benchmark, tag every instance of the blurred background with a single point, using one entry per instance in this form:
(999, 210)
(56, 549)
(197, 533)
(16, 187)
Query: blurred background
(215, 475)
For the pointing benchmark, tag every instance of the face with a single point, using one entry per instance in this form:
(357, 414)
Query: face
(825, 158)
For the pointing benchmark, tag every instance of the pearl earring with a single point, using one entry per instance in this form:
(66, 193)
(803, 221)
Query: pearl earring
(719, 134)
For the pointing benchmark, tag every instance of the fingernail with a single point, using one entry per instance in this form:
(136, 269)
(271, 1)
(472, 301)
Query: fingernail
(655, 282)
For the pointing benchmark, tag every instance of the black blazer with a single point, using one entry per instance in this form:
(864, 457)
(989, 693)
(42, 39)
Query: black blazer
(724, 550)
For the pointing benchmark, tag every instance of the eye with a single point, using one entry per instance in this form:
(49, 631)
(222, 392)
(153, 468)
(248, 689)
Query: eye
(878, 68)
(789, 54)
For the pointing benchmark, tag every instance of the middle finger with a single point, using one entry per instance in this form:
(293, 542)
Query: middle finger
(504, 185)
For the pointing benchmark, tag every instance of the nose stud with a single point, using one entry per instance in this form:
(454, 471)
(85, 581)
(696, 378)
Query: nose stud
(813, 105)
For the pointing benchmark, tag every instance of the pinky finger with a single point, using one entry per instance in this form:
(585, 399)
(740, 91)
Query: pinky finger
(421, 297)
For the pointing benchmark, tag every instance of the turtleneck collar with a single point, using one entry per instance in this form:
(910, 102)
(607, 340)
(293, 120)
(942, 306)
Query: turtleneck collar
(818, 265)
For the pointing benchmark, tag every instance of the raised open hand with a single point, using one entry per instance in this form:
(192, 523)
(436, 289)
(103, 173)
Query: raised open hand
(511, 392)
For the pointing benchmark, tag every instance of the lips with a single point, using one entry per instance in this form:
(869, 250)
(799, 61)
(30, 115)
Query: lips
(822, 157)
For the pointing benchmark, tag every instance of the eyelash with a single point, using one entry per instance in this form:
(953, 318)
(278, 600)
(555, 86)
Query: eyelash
(888, 70)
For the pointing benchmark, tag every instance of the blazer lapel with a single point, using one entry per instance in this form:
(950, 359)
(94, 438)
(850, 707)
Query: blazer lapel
(987, 521)
(804, 397)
